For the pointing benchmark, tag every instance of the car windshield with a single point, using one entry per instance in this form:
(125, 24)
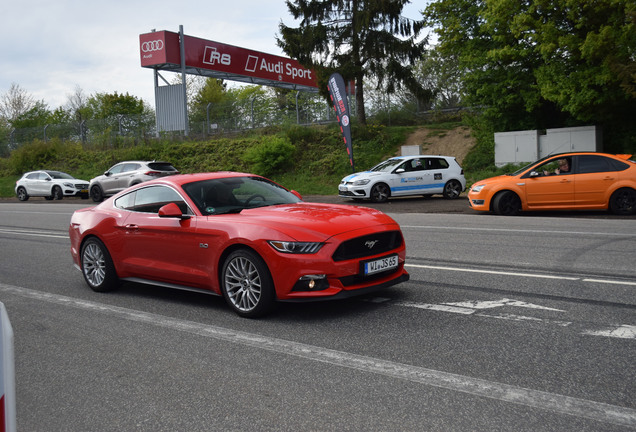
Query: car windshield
(387, 165)
(60, 175)
(520, 170)
(234, 194)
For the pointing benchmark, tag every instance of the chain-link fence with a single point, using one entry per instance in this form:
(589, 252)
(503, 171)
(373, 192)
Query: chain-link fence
(214, 119)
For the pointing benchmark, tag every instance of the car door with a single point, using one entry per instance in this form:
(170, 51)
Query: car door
(437, 174)
(409, 178)
(110, 181)
(43, 184)
(545, 189)
(31, 183)
(128, 172)
(160, 249)
(595, 175)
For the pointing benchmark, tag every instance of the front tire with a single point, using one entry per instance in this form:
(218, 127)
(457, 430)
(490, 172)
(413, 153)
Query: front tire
(96, 194)
(247, 284)
(22, 194)
(97, 266)
(623, 201)
(57, 193)
(380, 193)
(506, 203)
(452, 189)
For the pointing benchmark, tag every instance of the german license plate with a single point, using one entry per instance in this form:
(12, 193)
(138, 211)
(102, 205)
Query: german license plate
(381, 264)
(342, 188)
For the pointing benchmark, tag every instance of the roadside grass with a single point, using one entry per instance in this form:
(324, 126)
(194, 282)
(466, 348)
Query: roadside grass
(318, 163)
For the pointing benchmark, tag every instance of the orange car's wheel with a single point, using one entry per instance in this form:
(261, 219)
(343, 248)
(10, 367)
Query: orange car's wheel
(623, 201)
(506, 203)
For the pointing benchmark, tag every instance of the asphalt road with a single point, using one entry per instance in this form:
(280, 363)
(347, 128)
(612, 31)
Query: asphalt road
(525, 323)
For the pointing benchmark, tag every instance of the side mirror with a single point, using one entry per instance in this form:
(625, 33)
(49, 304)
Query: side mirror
(399, 170)
(534, 174)
(106, 173)
(171, 210)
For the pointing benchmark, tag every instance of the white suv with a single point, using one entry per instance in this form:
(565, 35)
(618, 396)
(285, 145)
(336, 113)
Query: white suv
(126, 174)
(406, 175)
(50, 185)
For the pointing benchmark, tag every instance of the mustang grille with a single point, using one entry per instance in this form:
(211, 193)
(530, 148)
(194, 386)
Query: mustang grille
(372, 244)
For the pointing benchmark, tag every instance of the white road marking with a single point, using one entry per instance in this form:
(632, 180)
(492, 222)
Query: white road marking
(622, 331)
(506, 273)
(562, 404)
(522, 231)
(529, 275)
(33, 233)
(619, 331)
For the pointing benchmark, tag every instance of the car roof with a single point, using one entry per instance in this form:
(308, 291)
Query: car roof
(419, 156)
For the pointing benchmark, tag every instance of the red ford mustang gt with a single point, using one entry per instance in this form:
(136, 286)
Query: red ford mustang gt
(237, 235)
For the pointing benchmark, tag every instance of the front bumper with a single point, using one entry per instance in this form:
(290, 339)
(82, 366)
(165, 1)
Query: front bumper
(353, 192)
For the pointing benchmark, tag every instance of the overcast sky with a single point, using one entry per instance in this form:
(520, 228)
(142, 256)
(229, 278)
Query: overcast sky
(51, 47)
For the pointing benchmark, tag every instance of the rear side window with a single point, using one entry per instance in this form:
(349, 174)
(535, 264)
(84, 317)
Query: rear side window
(161, 166)
(436, 163)
(131, 167)
(594, 164)
(151, 199)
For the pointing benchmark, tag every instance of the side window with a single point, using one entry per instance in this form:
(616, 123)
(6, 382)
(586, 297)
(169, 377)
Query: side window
(151, 199)
(33, 176)
(116, 169)
(130, 167)
(43, 176)
(594, 164)
(126, 202)
(436, 163)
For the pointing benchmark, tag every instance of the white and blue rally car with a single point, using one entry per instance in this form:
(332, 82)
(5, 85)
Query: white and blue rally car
(406, 175)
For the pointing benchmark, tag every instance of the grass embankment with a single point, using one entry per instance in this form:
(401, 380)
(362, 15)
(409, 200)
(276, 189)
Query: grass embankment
(311, 160)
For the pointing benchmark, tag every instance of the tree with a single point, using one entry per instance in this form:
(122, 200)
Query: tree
(357, 38)
(15, 103)
(544, 63)
(38, 115)
(213, 91)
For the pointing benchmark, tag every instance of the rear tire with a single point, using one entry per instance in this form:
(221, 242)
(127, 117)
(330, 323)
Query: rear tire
(506, 204)
(452, 189)
(97, 266)
(22, 194)
(623, 201)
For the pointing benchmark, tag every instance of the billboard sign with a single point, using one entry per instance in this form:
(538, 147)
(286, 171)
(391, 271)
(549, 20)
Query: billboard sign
(161, 50)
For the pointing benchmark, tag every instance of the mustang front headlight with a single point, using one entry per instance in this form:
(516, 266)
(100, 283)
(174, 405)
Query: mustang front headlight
(296, 247)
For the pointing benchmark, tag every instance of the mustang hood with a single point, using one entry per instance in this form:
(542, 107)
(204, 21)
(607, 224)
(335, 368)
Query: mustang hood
(313, 221)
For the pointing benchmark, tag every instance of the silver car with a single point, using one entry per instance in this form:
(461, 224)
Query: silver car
(50, 185)
(126, 174)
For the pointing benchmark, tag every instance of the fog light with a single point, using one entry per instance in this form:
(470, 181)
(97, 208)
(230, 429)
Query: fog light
(478, 202)
(311, 283)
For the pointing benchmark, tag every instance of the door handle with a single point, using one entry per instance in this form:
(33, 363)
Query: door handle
(132, 227)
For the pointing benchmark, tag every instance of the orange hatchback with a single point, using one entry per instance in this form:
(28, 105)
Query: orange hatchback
(567, 181)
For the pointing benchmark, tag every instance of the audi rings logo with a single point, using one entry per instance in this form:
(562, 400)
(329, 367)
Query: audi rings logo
(150, 46)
